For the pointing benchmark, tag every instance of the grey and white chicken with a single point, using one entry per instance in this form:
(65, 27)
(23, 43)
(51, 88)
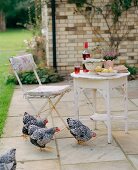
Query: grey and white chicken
(80, 132)
(31, 120)
(42, 136)
(8, 160)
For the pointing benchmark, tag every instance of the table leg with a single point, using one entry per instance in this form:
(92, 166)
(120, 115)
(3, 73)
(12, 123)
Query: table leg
(76, 100)
(125, 106)
(109, 127)
(94, 105)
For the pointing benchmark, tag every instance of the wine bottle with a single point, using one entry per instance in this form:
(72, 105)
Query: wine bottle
(85, 54)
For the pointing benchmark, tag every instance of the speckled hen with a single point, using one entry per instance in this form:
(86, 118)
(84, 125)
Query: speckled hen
(43, 136)
(80, 132)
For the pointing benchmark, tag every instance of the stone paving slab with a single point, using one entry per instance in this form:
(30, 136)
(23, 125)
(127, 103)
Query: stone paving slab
(135, 101)
(128, 142)
(133, 93)
(13, 127)
(39, 165)
(18, 109)
(113, 165)
(134, 160)
(26, 151)
(97, 150)
(133, 89)
(132, 121)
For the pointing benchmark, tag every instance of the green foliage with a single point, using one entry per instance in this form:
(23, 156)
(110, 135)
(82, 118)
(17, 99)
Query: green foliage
(132, 69)
(116, 10)
(46, 76)
(6, 5)
(110, 58)
(119, 6)
(116, 6)
(79, 3)
(35, 16)
(21, 13)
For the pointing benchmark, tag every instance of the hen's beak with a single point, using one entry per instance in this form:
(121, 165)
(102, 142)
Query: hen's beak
(46, 121)
(57, 129)
(94, 134)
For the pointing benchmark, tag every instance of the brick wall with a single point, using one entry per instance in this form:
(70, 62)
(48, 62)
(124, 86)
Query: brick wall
(72, 31)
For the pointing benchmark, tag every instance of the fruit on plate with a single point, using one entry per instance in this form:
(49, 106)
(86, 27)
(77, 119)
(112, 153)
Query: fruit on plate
(110, 70)
(105, 70)
(98, 69)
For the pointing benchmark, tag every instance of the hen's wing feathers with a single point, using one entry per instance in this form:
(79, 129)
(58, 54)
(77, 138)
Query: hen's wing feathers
(39, 133)
(82, 133)
(42, 136)
(36, 137)
(47, 137)
(32, 129)
(27, 117)
(34, 142)
(72, 123)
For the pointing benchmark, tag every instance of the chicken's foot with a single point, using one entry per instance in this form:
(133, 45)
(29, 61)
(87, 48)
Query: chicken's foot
(24, 137)
(82, 143)
(47, 149)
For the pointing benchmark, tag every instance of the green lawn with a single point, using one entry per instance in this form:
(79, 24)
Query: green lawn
(11, 43)
(13, 39)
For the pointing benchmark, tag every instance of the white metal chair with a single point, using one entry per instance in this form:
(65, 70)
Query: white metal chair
(26, 63)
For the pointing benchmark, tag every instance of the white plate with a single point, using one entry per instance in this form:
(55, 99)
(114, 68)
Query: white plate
(107, 74)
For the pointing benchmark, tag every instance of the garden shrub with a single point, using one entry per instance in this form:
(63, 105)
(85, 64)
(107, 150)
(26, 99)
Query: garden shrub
(46, 76)
(132, 69)
(133, 72)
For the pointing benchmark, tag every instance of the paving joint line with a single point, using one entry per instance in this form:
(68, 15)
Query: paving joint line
(125, 154)
(58, 154)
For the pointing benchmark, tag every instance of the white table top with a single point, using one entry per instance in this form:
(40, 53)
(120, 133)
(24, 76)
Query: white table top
(98, 77)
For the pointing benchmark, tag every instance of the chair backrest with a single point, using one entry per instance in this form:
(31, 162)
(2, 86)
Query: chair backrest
(23, 63)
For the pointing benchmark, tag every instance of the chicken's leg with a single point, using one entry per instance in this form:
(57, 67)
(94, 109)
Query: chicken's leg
(47, 149)
(82, 143)
(24, 136)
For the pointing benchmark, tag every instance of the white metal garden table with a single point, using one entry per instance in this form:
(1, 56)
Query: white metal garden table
(105, 86)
